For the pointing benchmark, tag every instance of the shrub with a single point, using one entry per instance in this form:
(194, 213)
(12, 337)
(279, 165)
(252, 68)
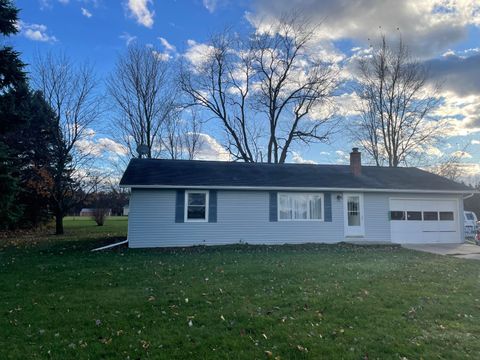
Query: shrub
(99, 215)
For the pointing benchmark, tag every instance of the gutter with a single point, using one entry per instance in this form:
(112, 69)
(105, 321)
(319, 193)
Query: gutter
(290, 188)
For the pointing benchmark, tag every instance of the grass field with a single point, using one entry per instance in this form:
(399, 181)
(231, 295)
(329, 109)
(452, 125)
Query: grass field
(60, 301)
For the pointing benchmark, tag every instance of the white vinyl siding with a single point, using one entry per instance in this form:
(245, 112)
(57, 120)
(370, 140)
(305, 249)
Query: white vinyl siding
(243, 217)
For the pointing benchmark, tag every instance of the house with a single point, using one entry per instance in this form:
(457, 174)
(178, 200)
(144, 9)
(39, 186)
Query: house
(87, 212)
(184, 203)
(91, 212)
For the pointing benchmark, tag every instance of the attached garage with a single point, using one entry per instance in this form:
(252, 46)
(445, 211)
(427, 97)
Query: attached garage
(425, 221)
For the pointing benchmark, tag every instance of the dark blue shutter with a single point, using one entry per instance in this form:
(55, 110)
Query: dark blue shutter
(212, 206)
(273, 206)
(180, 206)
(327, 197)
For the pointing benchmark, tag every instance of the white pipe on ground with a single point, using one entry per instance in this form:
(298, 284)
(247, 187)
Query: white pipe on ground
(110, 246)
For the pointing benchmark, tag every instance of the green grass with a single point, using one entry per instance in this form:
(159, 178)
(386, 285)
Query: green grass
(60, 301)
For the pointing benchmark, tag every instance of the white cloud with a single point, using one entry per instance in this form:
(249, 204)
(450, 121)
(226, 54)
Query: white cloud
(64, 1)
(101, 147)
(475, 142)
(428, 26)
(87, 147)
(127, 38)
(168, 47)
(161, 56)
(342, 157)
(140, 11)
(168, 53)
(297, 158)
(112, 146)
(197, 53)
(86, 13)
(210, 149)
(35, 32)
(461, 154)
(210, 5)
(346, 104)
(458, 115)
(433, 151)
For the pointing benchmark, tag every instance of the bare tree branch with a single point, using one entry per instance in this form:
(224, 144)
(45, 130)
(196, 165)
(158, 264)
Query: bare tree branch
(395, 105)
(70, 90)
(265, 90)
(144, 96)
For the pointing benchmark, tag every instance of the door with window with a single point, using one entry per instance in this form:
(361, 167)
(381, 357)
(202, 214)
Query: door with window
(354, 217)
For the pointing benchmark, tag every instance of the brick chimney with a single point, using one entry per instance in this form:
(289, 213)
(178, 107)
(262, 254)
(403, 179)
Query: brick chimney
(356, 162)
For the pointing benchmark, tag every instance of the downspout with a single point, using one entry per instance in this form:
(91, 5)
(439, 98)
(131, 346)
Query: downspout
(110, 246)
(468, 196)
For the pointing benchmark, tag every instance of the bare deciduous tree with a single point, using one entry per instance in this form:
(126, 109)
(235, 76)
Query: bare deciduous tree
(70, 90)
(181, 138)
(451, 166)
(220, 83)
(144, 96)
(395, 105)
(264, 90)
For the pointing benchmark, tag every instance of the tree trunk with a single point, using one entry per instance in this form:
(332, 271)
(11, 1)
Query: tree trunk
(58, 223)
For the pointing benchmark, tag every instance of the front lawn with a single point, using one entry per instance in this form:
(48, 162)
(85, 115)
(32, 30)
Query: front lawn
(60, 301)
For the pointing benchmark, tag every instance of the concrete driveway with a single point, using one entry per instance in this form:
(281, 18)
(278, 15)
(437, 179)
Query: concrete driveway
(462, 251)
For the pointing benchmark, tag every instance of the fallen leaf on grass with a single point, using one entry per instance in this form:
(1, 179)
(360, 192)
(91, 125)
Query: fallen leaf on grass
(301, 348)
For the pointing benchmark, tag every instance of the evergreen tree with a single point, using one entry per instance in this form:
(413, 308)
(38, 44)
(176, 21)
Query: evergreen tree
(12, 79)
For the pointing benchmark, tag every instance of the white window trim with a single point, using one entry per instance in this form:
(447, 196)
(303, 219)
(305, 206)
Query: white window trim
(300, 193)
(207, 202)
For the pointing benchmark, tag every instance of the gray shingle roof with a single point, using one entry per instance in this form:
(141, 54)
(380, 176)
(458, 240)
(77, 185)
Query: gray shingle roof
(189, 173)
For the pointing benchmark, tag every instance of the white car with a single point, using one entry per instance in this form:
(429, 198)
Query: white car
(470, 223)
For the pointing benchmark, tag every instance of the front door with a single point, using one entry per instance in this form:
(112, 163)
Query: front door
(353, 209)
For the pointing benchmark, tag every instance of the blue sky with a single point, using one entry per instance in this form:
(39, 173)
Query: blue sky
(443, 33)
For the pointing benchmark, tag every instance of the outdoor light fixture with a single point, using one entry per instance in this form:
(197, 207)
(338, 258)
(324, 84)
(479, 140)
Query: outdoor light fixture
(339, 197)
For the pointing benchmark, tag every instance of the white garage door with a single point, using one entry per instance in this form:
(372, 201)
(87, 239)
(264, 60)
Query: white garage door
(424, 221)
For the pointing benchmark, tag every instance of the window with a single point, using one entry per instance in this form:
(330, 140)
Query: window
(446, 215)
(469, 216)
(196, 206)
(299, 206)
(353, 210)
(430, 215)
(414, 215)
(397, 215)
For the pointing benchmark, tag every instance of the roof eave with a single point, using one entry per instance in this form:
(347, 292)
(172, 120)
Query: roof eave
(289, 188)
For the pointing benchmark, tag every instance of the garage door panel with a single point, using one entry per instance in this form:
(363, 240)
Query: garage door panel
(425, 231)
